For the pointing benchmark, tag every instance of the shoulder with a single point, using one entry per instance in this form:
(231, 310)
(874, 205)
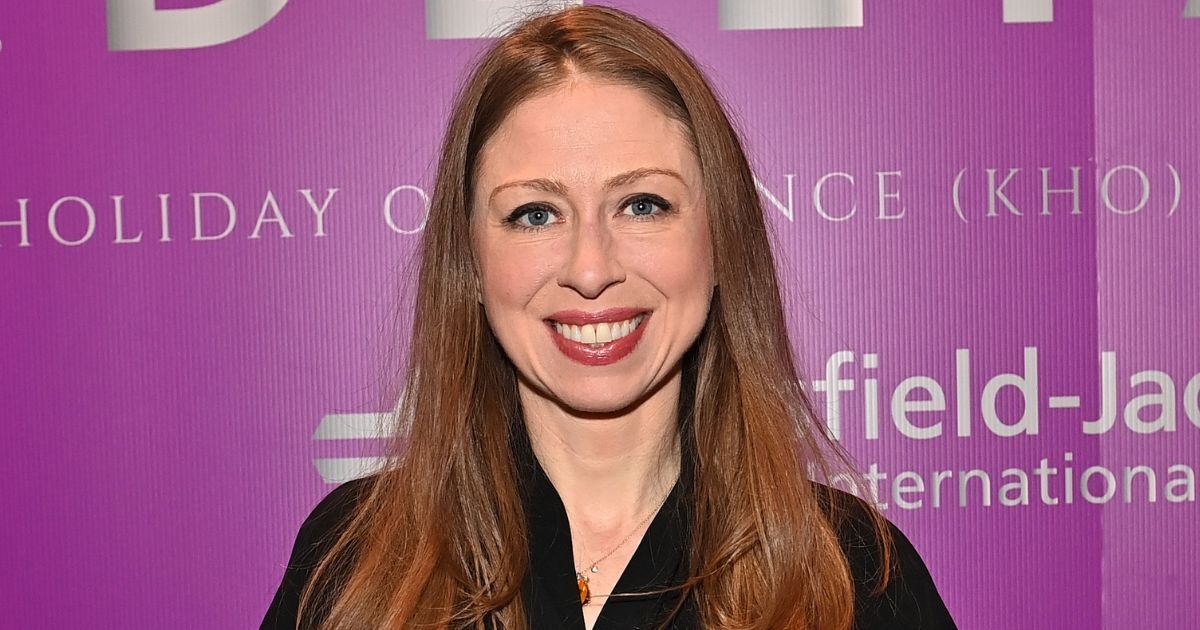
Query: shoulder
(333, 512)
(327, 520)
(314, 539)
(910, 599)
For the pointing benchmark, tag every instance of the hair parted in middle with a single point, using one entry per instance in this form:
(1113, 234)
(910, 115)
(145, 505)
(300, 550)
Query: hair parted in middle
(439, 539)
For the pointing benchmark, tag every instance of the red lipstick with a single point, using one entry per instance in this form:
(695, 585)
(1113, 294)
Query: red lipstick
(579, 318)
(594, 354)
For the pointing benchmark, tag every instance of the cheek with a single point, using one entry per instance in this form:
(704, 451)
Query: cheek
(510, 277)
(503, 286)
(682, 268)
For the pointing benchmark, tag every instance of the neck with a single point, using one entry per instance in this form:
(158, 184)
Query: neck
(609, 469)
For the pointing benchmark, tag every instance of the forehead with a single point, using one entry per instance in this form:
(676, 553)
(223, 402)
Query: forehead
(585, 131)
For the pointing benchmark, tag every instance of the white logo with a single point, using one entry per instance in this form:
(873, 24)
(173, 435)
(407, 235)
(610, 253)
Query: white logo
(1026, 11)
(473, 19)
(138, 25)
(765, 14)
(768, 14)
(352, 426)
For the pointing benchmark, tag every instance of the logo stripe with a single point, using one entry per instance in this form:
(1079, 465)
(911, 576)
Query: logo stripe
(474, 19)
(1028, 11)
(767, 14)
(355, 426)
(342, 469)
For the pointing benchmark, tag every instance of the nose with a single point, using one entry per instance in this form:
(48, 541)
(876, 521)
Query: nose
(591, 264)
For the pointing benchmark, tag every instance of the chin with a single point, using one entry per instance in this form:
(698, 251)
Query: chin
(600, 396)
(584, 403)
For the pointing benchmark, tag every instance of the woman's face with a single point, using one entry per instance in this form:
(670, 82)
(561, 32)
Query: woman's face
(593, 245)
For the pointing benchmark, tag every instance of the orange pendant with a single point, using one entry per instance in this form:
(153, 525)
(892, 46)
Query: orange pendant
(585, 594)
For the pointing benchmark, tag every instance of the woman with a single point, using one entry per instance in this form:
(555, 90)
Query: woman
(605, 427)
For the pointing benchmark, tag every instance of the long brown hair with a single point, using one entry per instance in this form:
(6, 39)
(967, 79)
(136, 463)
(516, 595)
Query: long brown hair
(439, 540)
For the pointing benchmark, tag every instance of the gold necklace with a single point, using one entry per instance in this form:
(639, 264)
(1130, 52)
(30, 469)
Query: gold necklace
(581, 578)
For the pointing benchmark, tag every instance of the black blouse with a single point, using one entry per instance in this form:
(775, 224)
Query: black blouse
(551, 596)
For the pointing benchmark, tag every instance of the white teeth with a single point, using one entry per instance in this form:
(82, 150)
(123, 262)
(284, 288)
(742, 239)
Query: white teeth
(570, 332)
(596, 334)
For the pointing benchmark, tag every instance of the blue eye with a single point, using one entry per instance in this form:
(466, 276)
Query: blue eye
(538, 217)
(643, 206)
(530, 217)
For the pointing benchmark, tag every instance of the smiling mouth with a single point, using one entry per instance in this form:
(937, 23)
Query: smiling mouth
(597, 338)
(599, 333)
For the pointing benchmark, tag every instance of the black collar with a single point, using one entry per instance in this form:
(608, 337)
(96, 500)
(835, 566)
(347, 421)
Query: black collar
(550, 591)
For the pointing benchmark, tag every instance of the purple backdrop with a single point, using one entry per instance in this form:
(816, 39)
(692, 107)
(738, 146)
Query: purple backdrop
(986, 215)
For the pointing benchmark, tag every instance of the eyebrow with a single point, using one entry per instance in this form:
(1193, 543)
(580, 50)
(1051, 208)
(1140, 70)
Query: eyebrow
(556, 187)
